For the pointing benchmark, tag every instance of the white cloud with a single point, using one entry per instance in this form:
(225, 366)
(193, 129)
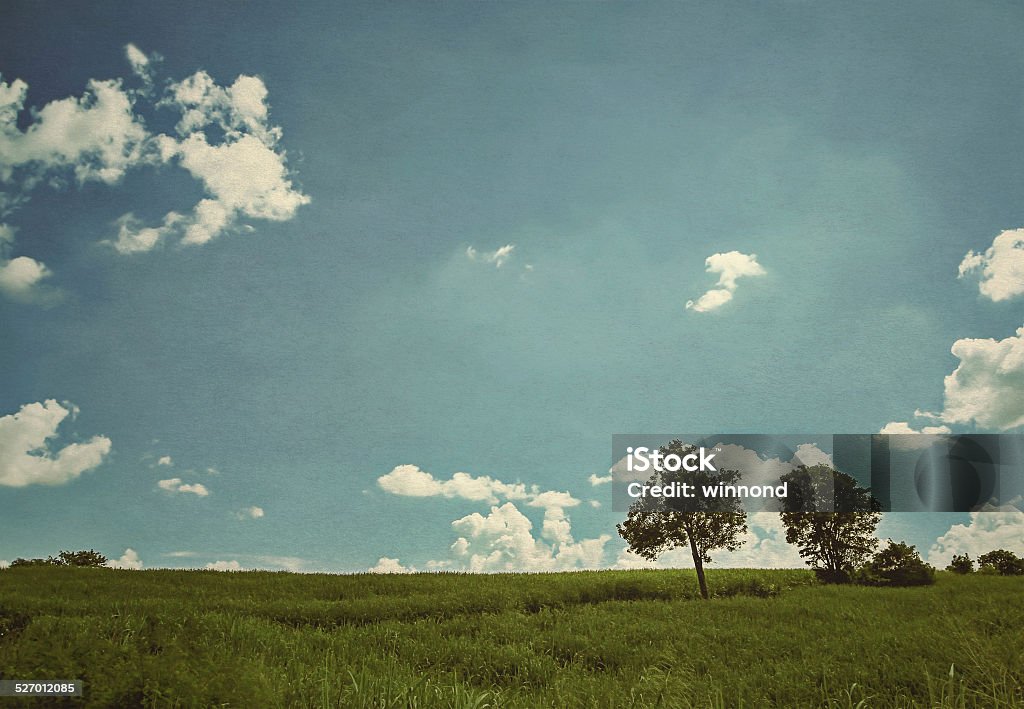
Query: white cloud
(1001, 266)
(25, 454)
(902, 427)
(129, 560)
(596, 480)
(987, 387)
(386, 565)
(410, 481)
(20, 276)
(503, 539)
(175, 485)
(497, 257)
(906, 437)
(165, 460)
(232, 565)
(244, 174)
(100, 135)
(730, 267)
(252, 512)
(985, 532)
(4, 563)
(96, 136)
(139, 62)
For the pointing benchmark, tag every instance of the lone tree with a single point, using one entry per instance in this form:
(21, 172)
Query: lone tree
(831, 519)
(656, 524)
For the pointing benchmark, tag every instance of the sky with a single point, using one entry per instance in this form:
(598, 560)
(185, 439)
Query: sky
(340, 287)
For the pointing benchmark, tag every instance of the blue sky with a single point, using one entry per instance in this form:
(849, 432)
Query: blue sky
(299, 278)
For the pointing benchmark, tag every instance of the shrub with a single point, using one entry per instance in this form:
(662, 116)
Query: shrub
(1006, 563)
(833, 575)
(961, 564)
(898, 564)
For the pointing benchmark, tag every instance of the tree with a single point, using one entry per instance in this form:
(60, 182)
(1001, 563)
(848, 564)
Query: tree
(898, 564)
(1005, 562)
(961, 564)
(831, 519)
(30, 562)
(656, 524)
(89, 558)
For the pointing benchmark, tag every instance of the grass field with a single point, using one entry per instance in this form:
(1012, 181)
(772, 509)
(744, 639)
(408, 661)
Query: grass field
(587, 639)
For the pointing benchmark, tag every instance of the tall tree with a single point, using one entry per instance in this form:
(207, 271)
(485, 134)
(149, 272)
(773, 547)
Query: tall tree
(656, 524)
(831, 519)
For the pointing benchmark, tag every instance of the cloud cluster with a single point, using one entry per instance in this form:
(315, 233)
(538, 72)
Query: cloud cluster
(26, 457)
(129, 560)
(503, 539)
(175, 486)
(1000, 267)
(730, 267)
(224, 139)
(232, 565)
(985, 532)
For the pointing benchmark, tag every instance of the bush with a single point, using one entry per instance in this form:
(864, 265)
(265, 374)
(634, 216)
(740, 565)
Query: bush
(961, 564)
(898, 564)
(1006, 563)
(833, 575)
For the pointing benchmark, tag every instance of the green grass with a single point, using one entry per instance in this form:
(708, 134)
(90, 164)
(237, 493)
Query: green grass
(588, 639)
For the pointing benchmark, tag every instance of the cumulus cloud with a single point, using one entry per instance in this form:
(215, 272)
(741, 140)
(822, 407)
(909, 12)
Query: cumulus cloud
(985, 532)
(730, 267)
(503, 539)
(905, 437)
(129, 560)
(26, 456)
(20, 277)
(232, 565)
(4, 563)
(165, 460)
(1000, 267)
(96, 137)
(224, 139)
(596, 480)
(497, 257)
(387, 565)
(175, 485)
(252, 512)
(244, 174)
(410, 481)
(987, 387)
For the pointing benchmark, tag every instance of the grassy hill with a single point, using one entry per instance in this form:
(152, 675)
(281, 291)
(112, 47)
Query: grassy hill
(587, 639)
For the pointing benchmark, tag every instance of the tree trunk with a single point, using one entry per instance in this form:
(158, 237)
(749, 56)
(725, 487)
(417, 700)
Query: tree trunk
(698, 564)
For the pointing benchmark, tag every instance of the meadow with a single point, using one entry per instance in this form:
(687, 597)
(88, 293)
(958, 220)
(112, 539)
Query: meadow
(586, 639)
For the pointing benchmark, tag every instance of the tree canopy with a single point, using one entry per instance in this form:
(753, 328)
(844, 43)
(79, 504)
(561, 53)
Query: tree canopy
(656, 524)
(831, 519)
